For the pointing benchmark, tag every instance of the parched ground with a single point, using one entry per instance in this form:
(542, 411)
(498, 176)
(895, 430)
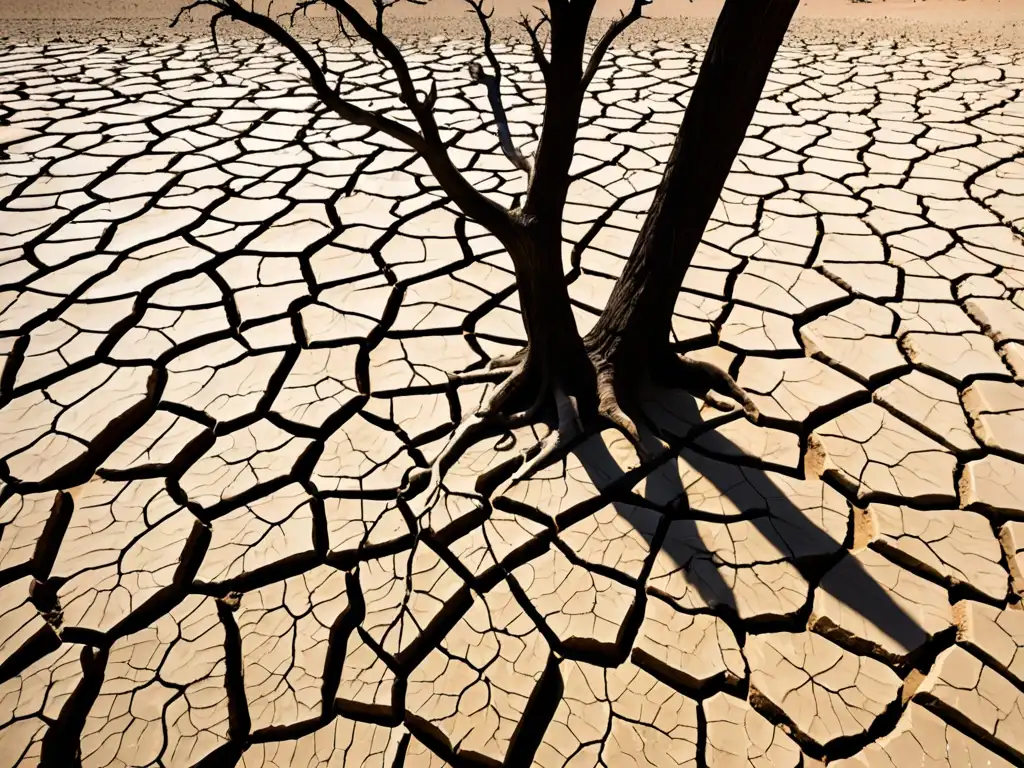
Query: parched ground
(227, 326)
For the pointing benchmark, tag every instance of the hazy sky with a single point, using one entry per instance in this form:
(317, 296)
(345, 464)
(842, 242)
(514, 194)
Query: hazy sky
(937, 10)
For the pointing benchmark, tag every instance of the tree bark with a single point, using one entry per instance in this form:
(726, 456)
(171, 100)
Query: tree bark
(633, 332)
(556, 357)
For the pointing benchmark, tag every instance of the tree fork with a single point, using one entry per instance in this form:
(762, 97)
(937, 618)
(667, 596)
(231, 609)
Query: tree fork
(578, 380)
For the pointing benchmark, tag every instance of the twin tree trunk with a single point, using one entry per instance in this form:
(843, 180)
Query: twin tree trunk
(632, 336)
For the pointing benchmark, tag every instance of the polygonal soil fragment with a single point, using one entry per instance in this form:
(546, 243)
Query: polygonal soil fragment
(871, 603)
(581, 607)
(1001, 319)
(994, 635)
(952, 545)
(737, 548)
(856, 339)
(157, 443)
(693, 650)
(932, 406)
(241, 462)
(872, 453)
(34, 698)
(921, 738)
(997, 412)
(584, 473)
(124, 543)
(765, 447)
(473, 690)
(353, 524)
(737, 735)
(20, 621)
(1011, 536)
(954, 357)
(341, 742)
(285, 631)
(617, 536)
(361, 455)
(617, 717)
(266, 532)
(965, 691)
(826, 692)
(23, 519)
(404, 594)
(46, 432)
(162, 697)
(993, 485)
(795, 390)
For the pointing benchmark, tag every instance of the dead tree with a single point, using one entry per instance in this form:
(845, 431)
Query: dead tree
(560, 376)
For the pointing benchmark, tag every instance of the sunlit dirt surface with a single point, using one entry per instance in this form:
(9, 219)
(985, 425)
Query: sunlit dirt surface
(227, 321)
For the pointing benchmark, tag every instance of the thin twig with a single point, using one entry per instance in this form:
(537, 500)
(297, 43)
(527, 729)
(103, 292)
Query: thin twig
(373, 34)
(536, 46)
(427, 143)
(616, 29)
(317, 77)
(493, 84)
(484, 18)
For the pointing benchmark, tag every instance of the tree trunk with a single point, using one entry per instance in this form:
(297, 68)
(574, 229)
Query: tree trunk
(633, 333)
(556, 357)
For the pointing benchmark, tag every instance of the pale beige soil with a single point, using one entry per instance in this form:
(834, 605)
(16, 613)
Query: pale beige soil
(228, 324)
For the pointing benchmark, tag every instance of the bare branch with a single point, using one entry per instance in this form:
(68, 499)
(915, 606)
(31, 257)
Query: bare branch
(187, 10)
(213, 27)
(428, 144)
(501, 119)
(374, 35)
(380, 6)
(302, 6)
(568, 25)
(317, 78)
(616, 29)
(341, 26)
(484, 17)
(533, 30)
(493, 85)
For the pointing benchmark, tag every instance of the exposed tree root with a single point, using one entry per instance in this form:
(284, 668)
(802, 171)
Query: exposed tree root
(529, 394)
(517, 380)
(608, 407)
(507, 361)
(561, 438)
(706, 381)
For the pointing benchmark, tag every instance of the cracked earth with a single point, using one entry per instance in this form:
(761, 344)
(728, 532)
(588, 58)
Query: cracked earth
(227, 325)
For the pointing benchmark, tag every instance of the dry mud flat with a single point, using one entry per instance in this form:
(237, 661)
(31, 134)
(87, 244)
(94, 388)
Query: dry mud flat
(974, 24)
(227, 322)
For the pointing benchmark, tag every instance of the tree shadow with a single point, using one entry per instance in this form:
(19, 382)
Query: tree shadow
(754, 497)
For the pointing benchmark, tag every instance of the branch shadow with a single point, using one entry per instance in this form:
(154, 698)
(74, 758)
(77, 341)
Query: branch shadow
(788, 530)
